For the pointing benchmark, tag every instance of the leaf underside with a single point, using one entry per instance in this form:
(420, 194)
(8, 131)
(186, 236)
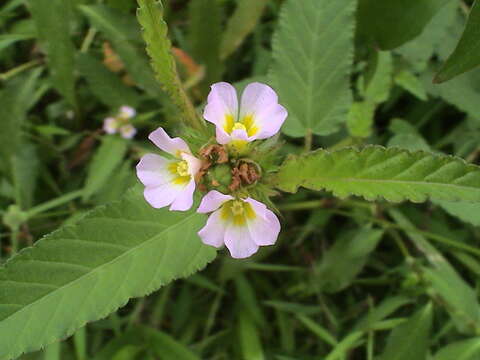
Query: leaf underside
(376, 172)
(313, 54)
(84, 272)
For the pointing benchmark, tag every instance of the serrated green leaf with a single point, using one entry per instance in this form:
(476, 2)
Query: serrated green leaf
(466, 56)
(391, 23)
(411, 83)
(313, 52)
(117, 27)
(460, 350)
(376, 172)
(377, 90)
(159, 47)
(54, 33)
(360, 118)
(84, 272)
(205, 39)
(243, 21)
(106, 86)
(410, 340)
(108, 156)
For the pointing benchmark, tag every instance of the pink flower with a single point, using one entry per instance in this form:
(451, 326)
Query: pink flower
(128, 131)
(260, 115)
(169, 181)
(126, 112)
(241, 224)
(110, 125)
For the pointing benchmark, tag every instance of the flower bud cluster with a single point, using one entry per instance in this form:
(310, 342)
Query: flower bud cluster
(121, 123)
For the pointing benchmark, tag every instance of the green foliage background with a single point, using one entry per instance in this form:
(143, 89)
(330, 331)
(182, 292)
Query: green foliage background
(368, 276)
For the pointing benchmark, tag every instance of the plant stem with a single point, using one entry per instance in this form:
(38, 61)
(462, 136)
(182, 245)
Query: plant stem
(54, 203)
(17, 70)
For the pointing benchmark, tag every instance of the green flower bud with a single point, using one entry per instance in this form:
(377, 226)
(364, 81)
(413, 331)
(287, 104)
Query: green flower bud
(219, 178)
(14, 217)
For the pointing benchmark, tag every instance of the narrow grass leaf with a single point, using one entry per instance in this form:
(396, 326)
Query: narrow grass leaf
(52, 19)
(106, 86)
(460, 350)
(241, 24)
(107, 157)
(410, 340)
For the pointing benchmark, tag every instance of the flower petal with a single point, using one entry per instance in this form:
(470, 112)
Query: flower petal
(212, 201)
(221, 136)
(194, 164)
(152, 170)
(213, 232)
(184, 199)
(128, 131)
(261, 103)
(264, 229)
(222, 104)
(174, 146)
(162, 195)
(110, 125)
(240, 134)
(127, 112)
(239, 242)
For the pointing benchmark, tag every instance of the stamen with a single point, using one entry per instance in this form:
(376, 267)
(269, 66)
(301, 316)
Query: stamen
(182, 168)
(239, 126)
(237, 208)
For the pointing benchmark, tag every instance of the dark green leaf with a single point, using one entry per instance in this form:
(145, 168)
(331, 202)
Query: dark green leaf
(52, 18)
(467, 54)
(391, 23)
(410, 340)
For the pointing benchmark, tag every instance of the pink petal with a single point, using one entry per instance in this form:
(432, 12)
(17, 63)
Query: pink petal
(127, 112)
(264, 229)
(110, 125)
(128, 131)
(221, 136)
(152, 170)
(222, 101)
(170, 145)
(194, 164)
(261, 102)
(240, 134)
(212, 201)
(184, 199)
(213, 232)
(162, 195)
(239, 242)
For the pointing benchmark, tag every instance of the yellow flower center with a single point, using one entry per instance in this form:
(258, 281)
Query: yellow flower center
(237, 211)
(182, 168)
(180, 171)
(246, 123)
